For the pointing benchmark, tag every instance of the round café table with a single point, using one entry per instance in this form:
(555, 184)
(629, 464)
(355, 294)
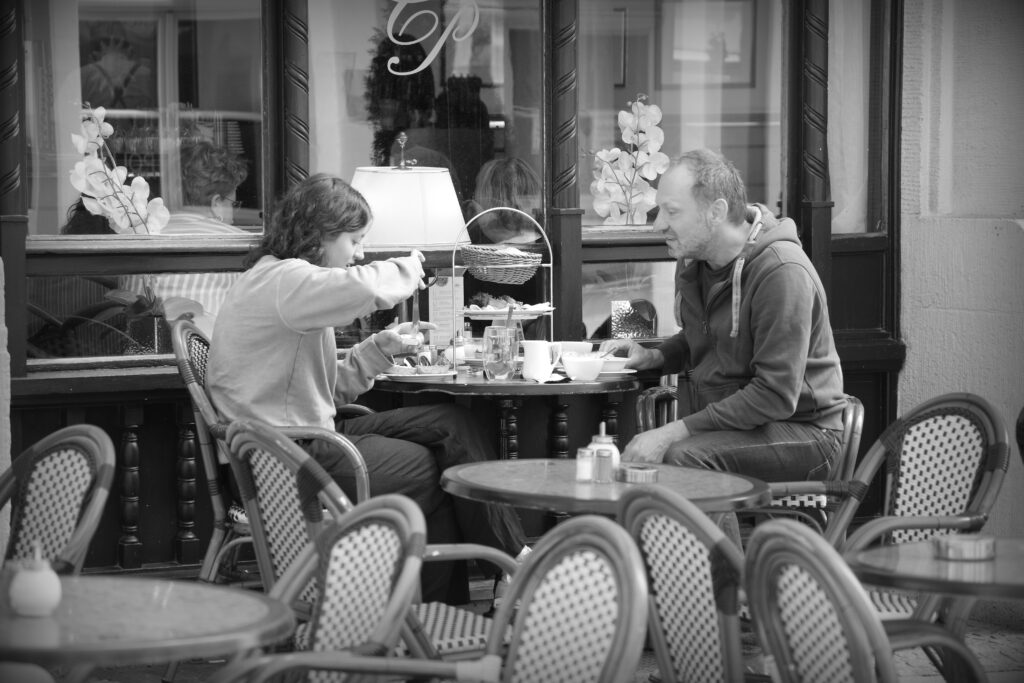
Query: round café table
(914, 567)
(510, 393)
(550, 485)
(108, 620)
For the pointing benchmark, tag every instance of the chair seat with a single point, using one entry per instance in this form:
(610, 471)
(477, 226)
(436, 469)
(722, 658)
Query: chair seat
(456, 632)
(809, 500)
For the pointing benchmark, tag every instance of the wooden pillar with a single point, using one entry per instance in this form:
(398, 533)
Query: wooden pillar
(186, 543)
(810, 195)
(129, 545)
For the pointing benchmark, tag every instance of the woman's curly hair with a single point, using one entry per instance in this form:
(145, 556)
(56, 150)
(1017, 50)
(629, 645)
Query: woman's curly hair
(314, 211)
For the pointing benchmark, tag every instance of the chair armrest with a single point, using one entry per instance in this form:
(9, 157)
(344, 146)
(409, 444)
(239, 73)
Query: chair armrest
(347, 448)
(905, 634)
(470, 551)
(873, 530)
(265, 667)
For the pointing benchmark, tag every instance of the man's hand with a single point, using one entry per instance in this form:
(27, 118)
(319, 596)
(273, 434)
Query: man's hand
(651, 446)
(640, 358)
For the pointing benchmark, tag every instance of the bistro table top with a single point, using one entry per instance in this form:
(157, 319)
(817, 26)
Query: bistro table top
(108, 620)
(478, 385)
(550, 484)
(914, 566)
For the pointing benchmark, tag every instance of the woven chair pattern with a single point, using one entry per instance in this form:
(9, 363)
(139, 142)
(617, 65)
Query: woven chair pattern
(364, 563)
(578, 596)
(278, 505)
(938, 464)
(679, 569)
(453, 631)
(812, 628)
(50, 502)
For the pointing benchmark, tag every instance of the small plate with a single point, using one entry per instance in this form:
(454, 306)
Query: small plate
(502, 313)
(617, 373)
(419, 378)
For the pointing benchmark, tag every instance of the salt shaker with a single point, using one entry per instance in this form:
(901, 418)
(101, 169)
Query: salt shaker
(584, 464)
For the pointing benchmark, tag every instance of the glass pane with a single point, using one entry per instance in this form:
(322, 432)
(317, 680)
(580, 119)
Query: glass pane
(113, 315)
(462, 82)
(175, 92)
(632, 299)
(713, 68)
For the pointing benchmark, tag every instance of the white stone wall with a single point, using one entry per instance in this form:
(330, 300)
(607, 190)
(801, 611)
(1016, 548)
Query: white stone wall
(962, 217)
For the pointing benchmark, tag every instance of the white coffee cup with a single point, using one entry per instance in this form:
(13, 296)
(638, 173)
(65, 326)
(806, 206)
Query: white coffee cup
(540, 358)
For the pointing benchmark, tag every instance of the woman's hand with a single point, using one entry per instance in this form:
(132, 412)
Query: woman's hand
(640, 357)
(391, 342)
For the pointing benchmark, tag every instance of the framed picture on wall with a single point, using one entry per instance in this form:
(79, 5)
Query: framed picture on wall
(119, 63)
(707, 43)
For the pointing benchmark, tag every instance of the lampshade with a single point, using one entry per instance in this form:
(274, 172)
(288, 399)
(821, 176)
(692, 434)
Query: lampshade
(412, 207)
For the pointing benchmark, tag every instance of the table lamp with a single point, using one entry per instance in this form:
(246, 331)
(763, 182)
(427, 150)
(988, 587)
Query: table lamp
(413, 206)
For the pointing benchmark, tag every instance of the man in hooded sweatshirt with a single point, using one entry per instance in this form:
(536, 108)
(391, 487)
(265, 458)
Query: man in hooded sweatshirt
(760, 385)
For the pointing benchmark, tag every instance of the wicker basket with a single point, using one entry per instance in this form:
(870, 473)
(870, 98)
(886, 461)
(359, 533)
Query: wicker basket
(487, 262)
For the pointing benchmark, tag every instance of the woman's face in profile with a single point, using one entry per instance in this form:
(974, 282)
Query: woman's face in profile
(345, 249)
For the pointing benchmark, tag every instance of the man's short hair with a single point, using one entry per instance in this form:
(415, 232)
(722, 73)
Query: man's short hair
(715, 177)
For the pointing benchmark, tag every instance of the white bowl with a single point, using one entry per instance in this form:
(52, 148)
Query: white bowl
(576, 346)
(614, 364)
(582, 366)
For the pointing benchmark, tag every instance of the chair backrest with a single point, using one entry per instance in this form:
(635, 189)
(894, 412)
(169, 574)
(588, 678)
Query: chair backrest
(948, 456)
(58, 488)
(367, 564)
(191, 353)
(811, 612)
(694, 575)
(284, 491)
(583, 607)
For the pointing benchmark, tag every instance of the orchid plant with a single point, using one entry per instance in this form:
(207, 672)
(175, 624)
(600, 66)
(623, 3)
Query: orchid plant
(621, 187)
(101, 182)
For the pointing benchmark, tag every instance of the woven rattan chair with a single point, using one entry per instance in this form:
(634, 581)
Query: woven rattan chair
(816, 620)
(57, 489)
(694, 573)
(942, 466)
(191, 351)
(657, 406)
(367, 565)
(582, 613)
(288, 496)
(229, 532)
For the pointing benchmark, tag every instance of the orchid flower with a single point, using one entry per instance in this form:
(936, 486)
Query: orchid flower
(101, 182)
(621, 188)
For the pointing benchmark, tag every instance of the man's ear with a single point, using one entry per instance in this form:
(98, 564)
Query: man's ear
(719, 210)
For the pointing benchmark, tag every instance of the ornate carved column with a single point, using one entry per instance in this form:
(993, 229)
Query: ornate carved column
(564, 217)
(186, 543)
(129, 545)
(810, 196)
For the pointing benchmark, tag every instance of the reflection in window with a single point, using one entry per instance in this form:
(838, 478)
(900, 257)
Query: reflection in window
(632, 299)
(165, 78)
(713, 68)
(462, 79)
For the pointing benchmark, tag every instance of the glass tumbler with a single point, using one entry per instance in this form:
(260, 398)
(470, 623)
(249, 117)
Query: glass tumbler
(498, 352)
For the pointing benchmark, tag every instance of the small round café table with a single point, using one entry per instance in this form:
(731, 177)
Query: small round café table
(915, 567)
(550, 485)
(114, 620)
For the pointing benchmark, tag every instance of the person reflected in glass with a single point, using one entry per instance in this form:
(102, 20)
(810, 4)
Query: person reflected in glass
(301, 282)
(506, 182)
(210, 176)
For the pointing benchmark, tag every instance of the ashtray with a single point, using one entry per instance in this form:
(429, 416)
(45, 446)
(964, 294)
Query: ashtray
(637, 474)
(964, 547)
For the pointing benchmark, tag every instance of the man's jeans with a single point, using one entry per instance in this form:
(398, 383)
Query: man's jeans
(777, 451)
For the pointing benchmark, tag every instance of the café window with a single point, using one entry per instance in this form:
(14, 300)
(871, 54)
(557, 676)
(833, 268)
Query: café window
(664, 77)
(460, 81)
(169, 91)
